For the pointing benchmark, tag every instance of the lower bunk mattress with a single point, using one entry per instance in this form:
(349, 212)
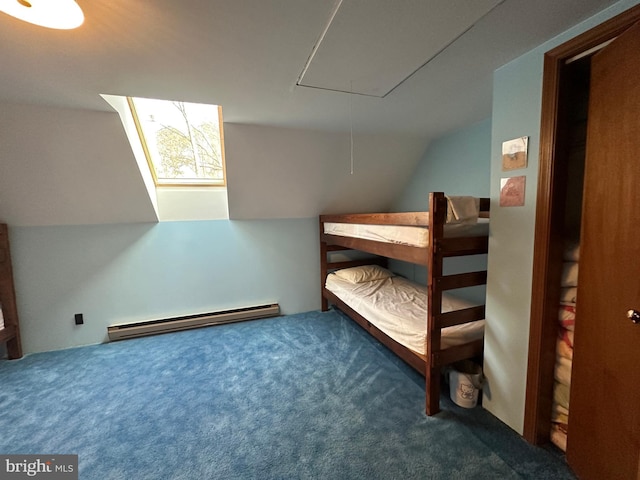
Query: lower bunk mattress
(398, 307)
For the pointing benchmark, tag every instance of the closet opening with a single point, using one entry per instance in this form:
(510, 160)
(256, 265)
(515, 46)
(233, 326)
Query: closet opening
(559, 205)
(570, 164)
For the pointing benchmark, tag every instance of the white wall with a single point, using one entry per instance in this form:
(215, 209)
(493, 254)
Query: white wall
(192, 203)
(121, 106)
(517, 97)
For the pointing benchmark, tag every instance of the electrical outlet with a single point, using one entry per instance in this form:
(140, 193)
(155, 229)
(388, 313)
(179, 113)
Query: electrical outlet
(79, 319)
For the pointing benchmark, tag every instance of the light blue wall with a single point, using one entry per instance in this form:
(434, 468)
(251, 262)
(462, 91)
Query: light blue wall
(117, 273)
(457, 164)
(517, 98)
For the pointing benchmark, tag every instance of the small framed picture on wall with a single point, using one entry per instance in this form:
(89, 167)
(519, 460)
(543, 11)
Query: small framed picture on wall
(514, 153)
(512, 191)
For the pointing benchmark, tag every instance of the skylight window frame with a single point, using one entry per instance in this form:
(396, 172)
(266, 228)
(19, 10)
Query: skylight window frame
(180, 182)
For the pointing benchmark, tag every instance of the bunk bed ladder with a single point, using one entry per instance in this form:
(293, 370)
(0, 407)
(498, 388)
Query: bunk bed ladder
(437, 216)
(437, 283)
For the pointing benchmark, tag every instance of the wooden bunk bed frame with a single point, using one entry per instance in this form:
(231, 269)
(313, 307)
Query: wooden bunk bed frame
(432, 256)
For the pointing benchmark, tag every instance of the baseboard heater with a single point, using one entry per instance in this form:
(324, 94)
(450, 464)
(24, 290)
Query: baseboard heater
(123, 331)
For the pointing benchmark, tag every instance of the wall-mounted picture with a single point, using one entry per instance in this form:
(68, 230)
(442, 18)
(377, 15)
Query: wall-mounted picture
(512, 191)
(514, 153)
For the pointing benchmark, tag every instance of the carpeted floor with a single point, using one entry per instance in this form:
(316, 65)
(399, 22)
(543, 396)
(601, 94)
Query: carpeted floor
(295, 397)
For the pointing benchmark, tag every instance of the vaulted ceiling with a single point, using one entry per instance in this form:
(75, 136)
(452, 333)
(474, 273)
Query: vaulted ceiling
(417, 68)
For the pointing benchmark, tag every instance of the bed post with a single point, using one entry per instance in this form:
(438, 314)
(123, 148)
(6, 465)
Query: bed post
(437, 218)
(323, 267)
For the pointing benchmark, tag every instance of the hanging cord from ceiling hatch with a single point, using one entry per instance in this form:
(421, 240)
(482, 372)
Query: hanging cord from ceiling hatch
(351, 121)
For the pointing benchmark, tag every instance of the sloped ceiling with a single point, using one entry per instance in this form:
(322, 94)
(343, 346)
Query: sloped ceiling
(64, 166)
(248, 56)
(302, 171)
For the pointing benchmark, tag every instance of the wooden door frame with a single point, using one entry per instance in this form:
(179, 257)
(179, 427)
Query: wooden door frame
(549, 213)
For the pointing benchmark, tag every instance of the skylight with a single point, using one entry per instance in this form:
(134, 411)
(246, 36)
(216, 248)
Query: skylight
(183, 142)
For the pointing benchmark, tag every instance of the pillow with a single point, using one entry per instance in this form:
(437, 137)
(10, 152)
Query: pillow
(363, 273)
(464, 210)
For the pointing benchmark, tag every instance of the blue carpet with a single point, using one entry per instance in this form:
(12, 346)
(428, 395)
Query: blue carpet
(294, 397)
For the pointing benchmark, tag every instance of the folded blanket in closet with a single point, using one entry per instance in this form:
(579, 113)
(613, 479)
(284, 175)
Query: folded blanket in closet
(561, 395)
(463, 210)
(571, 252)
(566, 336)
(563, 349)
(567, 316)
(559, 436)
(563, 427)
(559, 414)
(569, 274)
(562, 371)
(564, 346)
(568, 295)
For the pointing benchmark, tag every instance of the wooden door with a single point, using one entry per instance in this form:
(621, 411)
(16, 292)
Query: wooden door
(604, 419)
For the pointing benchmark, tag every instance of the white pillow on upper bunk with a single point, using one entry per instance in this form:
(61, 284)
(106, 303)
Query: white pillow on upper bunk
(363, 273)
(463, 210)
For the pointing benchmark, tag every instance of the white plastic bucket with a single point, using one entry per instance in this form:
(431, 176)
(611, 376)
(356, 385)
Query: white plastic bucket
(465, 382)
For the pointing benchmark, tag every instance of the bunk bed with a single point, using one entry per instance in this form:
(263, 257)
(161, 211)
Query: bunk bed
(438, 235)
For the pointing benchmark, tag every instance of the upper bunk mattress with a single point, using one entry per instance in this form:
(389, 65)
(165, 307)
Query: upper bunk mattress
(402, 234)
(398, 307)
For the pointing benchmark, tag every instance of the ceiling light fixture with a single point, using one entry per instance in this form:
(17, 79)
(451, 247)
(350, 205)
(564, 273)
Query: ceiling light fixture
(59, 14)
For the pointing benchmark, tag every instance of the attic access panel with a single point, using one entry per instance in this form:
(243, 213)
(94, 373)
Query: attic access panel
(369, 47)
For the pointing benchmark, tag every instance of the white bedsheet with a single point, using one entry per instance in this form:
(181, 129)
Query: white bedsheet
(398, 307)
(402, 234)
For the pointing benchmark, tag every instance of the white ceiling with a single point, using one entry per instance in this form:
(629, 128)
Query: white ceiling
(248, 56)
